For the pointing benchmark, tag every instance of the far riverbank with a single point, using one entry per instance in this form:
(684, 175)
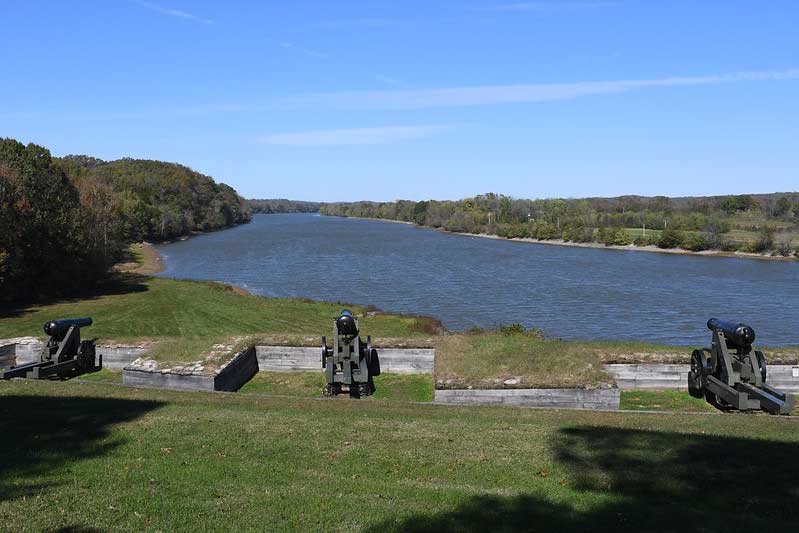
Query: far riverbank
(595, 245)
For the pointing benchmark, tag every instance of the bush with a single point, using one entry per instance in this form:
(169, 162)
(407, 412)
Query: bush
(764, 242)
(583, 235)
(518, 329)
(695, 242)
(670, 238)
(784, 248)
(614, 237)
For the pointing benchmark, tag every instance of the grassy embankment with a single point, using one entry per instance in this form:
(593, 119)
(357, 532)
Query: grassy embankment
(79, 456)
(184, 319)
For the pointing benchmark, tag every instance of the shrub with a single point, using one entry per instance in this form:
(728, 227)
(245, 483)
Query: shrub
(695, 242)
(518, 329)
(784, 248)
(583, 235)
(615, 237)
(764, 242)
(424, 324)
(670, 238)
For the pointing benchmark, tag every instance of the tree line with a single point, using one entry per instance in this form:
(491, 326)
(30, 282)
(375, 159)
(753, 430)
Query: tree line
(767, 222)
(281, 205)
(65, 221)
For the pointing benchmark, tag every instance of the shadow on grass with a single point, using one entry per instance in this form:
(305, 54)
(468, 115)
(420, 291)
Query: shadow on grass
(629, 480)
(115, 284)
(42, 434)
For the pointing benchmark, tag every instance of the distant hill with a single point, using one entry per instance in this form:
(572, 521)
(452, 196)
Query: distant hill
(162, 200)
(281, 205)
(65, 221)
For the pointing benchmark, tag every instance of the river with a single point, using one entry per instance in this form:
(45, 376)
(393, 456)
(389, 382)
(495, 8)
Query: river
(465, 281)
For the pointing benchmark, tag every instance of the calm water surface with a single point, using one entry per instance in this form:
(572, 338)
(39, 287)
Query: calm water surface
(573, 293)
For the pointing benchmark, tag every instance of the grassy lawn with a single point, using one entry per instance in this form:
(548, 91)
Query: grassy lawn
(399, 387)
(635, 400)
(103, 376)
(486, 360)
(634, 233)
(82, 455)
(137, 307)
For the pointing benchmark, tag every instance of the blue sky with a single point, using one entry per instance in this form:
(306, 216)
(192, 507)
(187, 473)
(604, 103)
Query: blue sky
(385, 100)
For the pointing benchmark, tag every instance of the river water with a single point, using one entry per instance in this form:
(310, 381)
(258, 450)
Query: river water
(571, 293)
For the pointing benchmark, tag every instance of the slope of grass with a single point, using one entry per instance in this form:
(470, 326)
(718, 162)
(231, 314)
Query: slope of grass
(79, 456)
(137, 307)
(488, 360)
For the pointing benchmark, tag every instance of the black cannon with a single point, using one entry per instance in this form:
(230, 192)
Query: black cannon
(349, 362)
(64, 355)
(731, 375)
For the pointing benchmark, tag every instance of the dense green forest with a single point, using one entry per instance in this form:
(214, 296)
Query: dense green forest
(767, 223)
(65, 221)
(281, 205)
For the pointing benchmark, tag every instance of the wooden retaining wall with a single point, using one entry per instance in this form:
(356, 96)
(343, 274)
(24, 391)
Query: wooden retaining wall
(28, 350)
(606, 399)
(8, 355)
(675, 376)
(230, 378)
(302, 359)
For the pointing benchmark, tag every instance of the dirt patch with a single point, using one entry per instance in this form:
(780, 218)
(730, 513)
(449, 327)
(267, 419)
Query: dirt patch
(142, 259)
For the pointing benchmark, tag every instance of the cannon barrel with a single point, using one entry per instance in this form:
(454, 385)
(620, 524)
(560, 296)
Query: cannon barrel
(56, 328)
(346, 325)
(738, 335)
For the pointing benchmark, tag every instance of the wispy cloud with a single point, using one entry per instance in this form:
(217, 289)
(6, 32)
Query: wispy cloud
(362, 22)
(547, 6)
(388, 80)
(305, 51)
(511, 94)
(173, 12)
(355, 136)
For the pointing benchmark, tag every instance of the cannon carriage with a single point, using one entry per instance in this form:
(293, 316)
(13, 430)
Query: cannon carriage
(349, 362)
(732, 375)
(65, 354)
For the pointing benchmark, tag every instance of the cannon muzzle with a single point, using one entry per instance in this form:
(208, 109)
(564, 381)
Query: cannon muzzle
(737, 335)
(346, 325)
(58, 328)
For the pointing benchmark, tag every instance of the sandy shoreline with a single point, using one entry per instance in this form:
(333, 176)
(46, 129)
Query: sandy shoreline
(597, 245)
(630, 248)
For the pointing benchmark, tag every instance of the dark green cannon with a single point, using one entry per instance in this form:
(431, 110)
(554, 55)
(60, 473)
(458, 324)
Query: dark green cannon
(731, 375)
(349, 362)
(65, 354)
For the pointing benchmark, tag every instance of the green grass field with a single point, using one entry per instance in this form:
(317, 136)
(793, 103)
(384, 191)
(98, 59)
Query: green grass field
(485, 360)
(183, 320)
(680, 401)
(138, 307)
(96, 457)
(394, 387)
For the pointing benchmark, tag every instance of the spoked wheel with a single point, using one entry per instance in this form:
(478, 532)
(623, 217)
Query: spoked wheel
(331, 390)
(761, 363)
(696, 375)
(374, 363)
(355, 391)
